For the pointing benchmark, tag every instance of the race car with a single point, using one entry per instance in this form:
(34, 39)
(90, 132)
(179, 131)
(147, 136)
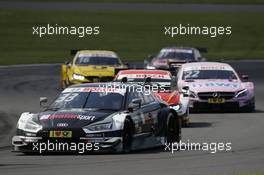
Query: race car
(216, 86)
(108, 116)
(171, 58)
(90, 66)
(164, 83)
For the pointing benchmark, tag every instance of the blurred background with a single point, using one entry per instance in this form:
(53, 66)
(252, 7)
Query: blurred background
(132, 28)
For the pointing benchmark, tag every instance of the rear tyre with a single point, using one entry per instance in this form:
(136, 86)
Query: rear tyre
(127, 136)
(173, 133)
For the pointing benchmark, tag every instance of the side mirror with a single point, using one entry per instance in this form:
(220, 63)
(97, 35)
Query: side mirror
(245, 77)
(74, 51)
(201, 59)
(126, 64)
(68, 63)
(42, 100)
(174, 79)
(124, 80)
(135, 103)
(150, 57)
(185, 88)
(185, 91)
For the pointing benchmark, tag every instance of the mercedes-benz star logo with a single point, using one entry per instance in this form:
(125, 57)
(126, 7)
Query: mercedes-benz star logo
(215, 94)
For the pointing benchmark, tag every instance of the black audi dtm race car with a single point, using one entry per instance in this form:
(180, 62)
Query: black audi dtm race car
(107, 116)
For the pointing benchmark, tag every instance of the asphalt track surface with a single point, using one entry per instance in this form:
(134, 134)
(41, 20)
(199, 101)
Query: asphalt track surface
(133, 6)
(21, 87)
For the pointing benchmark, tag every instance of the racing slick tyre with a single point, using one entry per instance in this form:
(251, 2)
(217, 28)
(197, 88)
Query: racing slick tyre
(185, 123)
(127, 136)
(63, 84)
(173, 133)
(250, 107)
(185, 119)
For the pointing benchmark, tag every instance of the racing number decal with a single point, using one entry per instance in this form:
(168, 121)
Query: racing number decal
(192, 74)
(71, 97)
(67, 97)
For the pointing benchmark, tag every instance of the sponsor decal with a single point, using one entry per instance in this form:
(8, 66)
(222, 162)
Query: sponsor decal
(200, 67)
(149, 119)
(101, 54)
(215, 84)
(67, 116)
(141, 76)
(84, 117)
(96, 89)
(177, 50)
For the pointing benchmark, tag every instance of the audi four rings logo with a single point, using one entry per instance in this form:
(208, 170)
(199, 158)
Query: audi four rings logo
(62, 124)
(215, 94)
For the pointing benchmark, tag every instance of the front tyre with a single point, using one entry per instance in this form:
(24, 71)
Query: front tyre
(250, 107)
(63, 84)
(173, 133)
(127, 136)
(185, 119)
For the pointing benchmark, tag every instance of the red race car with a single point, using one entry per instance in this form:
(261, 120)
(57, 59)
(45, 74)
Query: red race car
(162, 84)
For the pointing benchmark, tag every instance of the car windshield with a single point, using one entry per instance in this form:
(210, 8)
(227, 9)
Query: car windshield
(87, 60)
(208, 74)
(179, 55)
(97, 100)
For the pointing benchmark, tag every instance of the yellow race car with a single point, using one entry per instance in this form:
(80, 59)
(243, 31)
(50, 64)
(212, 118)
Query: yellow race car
(91, 66)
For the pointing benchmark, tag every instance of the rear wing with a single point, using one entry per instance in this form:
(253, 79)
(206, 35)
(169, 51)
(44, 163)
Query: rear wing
(74, 51)
(119, 69)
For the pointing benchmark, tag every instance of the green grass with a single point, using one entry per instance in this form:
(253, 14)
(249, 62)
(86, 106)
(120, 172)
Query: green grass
(133, 35)
(160, 1)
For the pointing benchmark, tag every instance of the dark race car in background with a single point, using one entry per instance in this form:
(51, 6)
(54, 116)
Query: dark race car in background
(110, 115)
(171, 58)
